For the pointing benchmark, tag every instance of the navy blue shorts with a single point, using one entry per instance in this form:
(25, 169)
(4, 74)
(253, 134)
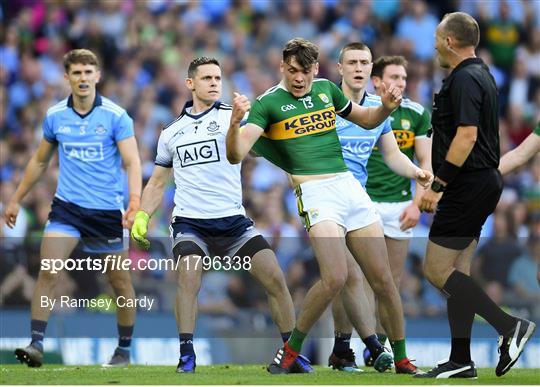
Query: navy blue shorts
(216, 237)
(99, 230)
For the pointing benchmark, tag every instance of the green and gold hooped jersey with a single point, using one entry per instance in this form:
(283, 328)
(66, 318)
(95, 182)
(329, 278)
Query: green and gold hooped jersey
(300, 133)
(537, 129)
(409, 121)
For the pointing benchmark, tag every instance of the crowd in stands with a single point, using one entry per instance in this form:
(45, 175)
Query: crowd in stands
(145, 48)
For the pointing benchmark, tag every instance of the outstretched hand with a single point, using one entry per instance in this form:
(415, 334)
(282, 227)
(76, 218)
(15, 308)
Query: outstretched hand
(424, 177)
(390, 97)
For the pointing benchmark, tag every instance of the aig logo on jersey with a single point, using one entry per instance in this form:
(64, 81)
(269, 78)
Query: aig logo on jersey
(84, 151)
(196, 153)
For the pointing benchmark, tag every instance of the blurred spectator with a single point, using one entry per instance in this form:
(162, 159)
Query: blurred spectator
(292, 24)
(523, 276)
(502, 36)
(417, 27)
(494, 259)
(145, 47)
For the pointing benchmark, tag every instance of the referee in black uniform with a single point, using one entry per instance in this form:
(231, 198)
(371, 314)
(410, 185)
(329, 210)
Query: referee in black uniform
(466, 189)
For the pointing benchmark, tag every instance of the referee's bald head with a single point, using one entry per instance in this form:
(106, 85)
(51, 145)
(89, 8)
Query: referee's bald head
(462, 27)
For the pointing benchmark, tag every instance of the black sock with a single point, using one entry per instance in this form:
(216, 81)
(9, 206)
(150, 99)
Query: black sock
(373, 344)
(285, 336)
(460, 319)
(342, 342)
(186, 344)
(124, 336)
(466, 291)
(37, 331)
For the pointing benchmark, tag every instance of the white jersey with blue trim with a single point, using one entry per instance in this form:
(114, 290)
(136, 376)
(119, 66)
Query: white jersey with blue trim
(207, 185)
(357, 143)
(90, 162)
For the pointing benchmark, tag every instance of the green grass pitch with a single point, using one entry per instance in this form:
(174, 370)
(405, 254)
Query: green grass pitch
(235, 374)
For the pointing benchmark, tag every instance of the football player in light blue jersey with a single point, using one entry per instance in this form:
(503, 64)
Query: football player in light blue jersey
(355, 63)
(93, 137)
(357, 142)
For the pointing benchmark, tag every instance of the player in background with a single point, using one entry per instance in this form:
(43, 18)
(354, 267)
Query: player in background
(208, 219)
(355, 65)
(293, 125)
(93, 137)
(522, 153)
(391, 192)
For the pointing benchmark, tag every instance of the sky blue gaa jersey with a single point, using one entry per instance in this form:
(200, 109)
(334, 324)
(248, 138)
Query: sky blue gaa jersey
(357, 142)
(90, 162)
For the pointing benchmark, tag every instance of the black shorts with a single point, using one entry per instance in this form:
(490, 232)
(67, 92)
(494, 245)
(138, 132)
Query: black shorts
(100, 230)
(464, 207)
(219, 236)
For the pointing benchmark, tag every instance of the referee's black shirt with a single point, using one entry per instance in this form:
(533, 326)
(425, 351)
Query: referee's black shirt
(468, 97)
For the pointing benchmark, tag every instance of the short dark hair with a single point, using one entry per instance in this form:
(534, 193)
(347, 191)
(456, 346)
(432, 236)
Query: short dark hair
(202, 60)
(81, 56)
(305, 52)
(380, 64)
(353, 46)
(462, 27)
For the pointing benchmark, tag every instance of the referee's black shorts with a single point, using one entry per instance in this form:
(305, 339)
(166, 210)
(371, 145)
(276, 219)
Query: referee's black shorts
(464, 207)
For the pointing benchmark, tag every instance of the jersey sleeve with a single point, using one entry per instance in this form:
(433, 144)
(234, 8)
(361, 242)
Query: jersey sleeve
(341, 103)
(123, 128)
(163, 156)
(537, 129)
(466, 96)
(48, 133)
(423, 125)
(258, 115)
(387, 126)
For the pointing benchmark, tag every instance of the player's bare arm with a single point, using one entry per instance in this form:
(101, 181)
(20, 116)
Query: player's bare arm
(130, 157)
(34, 170)
(519, 156)
(371, 117)
(239, 140)
(153, 191)
(411, 214)
(399, 163)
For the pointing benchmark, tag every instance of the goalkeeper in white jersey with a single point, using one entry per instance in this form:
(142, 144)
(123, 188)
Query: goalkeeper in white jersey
(208, 219)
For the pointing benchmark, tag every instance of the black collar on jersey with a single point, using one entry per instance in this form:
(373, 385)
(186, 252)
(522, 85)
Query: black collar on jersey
(189, 104)
(363, 99)
(97, 102)
(467, 62)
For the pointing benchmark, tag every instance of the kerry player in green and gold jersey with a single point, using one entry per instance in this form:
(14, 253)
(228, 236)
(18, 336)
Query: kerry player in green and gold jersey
(390, 192)
(524, 151)
(293, 126)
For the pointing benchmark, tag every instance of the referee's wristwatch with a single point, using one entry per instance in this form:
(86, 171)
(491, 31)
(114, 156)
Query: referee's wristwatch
(437, 186)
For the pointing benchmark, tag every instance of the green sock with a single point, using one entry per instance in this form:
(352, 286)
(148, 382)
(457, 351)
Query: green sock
(398, 347)
(382, 338)
(296, 340)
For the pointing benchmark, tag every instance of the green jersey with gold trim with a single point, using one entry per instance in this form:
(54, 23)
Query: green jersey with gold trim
(409, 121)
(300, 133)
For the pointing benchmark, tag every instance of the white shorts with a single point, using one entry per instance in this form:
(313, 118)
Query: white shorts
(390, 213)
(341, 199)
